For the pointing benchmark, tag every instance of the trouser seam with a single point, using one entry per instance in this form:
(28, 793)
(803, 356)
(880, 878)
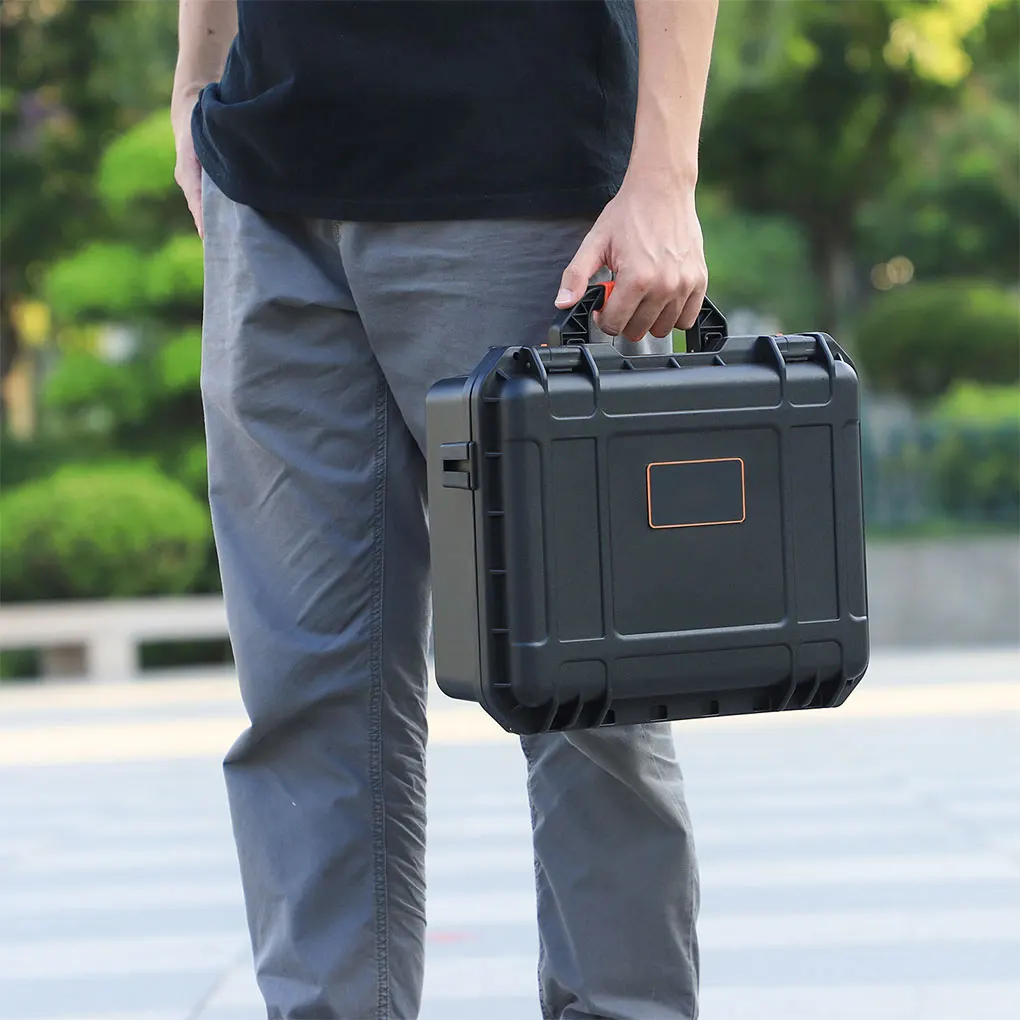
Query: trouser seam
(543, 1005)
(376, 778)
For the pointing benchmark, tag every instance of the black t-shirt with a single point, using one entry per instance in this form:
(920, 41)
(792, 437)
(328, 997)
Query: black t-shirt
(391, 110)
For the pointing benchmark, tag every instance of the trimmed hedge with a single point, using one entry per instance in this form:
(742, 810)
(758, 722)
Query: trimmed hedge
(920, 339)
(101, 532)
(977, 460)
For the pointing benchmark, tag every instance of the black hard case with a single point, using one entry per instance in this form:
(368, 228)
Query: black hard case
(617, 540)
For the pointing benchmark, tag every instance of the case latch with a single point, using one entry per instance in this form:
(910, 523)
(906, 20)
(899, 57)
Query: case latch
(797, 347)
(458, 465)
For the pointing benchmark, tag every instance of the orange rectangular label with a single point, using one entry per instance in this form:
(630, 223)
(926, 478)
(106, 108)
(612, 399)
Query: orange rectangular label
(696, 493)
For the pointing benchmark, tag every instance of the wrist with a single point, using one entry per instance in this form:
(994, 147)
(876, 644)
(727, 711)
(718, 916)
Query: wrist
(660, 173)
(665, 147)
(182, 102)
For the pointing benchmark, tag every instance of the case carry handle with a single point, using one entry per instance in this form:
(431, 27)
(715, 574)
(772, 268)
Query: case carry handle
(573, 325)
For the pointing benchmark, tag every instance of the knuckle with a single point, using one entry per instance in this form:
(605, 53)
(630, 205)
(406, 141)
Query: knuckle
(655, 289)
(672, 284)
(642, 281)
(669, 288)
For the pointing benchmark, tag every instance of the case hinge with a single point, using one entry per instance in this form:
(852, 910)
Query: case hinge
(459, 465)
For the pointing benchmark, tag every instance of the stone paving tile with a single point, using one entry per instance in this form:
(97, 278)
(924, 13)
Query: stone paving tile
(866, 867)
(856, 1002)
(129, 996)
(161, 1014)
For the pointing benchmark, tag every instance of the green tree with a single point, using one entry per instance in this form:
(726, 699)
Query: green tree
(954, 209)
(133, 377)
(807, 106)
(73, 75)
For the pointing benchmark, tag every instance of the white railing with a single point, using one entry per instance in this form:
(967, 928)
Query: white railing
(922, 594)
(100, 640)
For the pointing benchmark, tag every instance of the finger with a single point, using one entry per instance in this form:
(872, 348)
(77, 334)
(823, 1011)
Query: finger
(194, 199)
(645, 316)
(189, 177)
(196, 212)
(583, 266)
(664, 324)
(692, 306)
(629, 291)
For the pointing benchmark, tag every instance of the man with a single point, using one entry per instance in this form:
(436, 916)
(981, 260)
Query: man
(388, 189)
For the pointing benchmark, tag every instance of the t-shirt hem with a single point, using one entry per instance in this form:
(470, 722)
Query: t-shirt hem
(585, 201)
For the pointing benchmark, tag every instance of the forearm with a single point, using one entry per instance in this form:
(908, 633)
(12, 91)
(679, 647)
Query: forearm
(205, 30)
(675, 47)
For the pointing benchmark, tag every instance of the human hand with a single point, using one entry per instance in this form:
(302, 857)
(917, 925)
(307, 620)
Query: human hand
(188, 170)
(650, 237)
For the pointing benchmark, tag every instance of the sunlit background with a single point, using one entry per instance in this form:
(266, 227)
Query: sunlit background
(859, 175)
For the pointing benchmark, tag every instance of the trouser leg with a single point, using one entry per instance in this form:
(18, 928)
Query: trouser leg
(317, 495)
(616, 875)
(615, 865)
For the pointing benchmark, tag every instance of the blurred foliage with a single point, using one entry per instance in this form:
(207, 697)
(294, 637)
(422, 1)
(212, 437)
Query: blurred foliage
(977, 462)
(758, 262)
(174, 272)
(82, 383)
(839, 137)
(108, 281)
(917, 340)
(111, 531)
(955, 468)
(180, 362)
(73, 76)
(974, 404)
(104, 280)
(26, 459)
(815, 110)
(146, 405)
(138, 164)
(116, 261)
(956, 210)
(192, 468)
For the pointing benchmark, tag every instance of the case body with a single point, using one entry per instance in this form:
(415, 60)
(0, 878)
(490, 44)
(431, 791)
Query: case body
(618, 540)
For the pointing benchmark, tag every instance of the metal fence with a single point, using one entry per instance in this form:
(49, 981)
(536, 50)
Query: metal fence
(931, 476)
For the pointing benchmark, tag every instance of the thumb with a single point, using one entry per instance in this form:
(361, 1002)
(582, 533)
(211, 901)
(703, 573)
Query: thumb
(589, 259)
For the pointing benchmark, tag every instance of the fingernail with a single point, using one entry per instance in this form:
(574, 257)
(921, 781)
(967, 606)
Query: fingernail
(563, 296)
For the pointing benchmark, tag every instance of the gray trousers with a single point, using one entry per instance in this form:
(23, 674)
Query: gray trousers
(320, 341)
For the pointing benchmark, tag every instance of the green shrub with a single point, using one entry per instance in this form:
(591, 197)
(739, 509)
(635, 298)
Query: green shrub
(757, 262)
(19, 664)
(81, 381)
(977, 455)
(921, 338)
(102, 279)
(191, 468)
(972, 404)
(174, 272)
(179, 362)
(139, 163)
(24, 460)
(98, 532)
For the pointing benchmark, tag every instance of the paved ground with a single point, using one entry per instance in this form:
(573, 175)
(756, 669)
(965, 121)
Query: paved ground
(861, 863)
